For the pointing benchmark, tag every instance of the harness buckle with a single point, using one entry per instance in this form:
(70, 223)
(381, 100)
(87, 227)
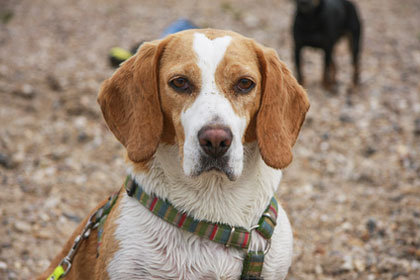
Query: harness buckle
(268, 215)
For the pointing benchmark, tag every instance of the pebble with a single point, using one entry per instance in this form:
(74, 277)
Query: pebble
(415, 265)
(417, 127)
(318, 269)
(17, 265)
(369, 151)
(26, 91)
(52, 202)
(3, 265)
(341, 198)
(6, 161)
(345, 118)
(44, 217)
(348, 263)
(11, 275)
(43, 234)
(82, 137)
(22, 226)
(371, 277)
(347, 226)
(360, 265)
(371, 225)
(53, 83)
(251, 20)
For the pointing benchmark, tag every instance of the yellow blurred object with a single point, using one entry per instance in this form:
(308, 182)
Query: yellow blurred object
(120, 53)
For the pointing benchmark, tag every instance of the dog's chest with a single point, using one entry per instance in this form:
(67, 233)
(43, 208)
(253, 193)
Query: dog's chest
(150, 248)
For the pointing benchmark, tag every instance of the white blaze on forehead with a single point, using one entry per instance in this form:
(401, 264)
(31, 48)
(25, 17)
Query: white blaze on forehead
(209, 53)
(211, 107)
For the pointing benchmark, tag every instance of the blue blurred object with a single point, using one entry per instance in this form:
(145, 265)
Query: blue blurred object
(118, 55)
(178, 25)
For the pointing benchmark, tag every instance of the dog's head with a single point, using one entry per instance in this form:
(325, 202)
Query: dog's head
(307, 6)
(210, 92)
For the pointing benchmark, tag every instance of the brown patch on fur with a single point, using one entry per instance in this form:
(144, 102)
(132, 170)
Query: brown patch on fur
(130, 103)
(84, 262)
(282, 112)
(251, 130)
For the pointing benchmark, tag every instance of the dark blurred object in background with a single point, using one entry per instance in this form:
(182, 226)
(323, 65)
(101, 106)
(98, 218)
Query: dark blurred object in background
(118, 55)
(320, 24)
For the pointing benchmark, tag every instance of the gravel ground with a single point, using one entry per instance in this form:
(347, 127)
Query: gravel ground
(352, 192)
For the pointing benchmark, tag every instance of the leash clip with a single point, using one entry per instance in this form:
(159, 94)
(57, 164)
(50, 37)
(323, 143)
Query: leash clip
(67, 260)
(67, 264)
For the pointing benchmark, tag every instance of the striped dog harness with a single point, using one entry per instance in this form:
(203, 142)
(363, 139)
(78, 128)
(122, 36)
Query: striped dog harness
(229, 236)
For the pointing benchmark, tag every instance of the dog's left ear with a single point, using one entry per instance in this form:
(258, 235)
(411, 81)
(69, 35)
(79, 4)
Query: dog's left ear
(130, 103)
(282, 111)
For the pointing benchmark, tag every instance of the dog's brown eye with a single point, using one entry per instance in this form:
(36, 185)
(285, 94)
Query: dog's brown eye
(180, 84)
(244, 85)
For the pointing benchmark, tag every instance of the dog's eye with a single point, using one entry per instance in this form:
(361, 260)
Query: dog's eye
(244, 85)
(180, 84)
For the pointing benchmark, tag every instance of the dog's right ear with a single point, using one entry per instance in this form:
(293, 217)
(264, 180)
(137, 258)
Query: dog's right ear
(130, 104)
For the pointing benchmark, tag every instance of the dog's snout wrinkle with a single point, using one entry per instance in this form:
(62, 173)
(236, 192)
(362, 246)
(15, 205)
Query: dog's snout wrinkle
(215, 141)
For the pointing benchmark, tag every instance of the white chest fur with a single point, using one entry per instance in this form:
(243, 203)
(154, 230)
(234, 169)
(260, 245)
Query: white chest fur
(150, 248)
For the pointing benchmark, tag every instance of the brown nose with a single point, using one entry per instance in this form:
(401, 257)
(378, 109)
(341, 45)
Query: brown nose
(215, 141)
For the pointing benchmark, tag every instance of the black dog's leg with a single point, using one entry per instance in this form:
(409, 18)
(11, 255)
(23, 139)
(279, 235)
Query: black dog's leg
(355, 49)
(354, 43)
(298, 63)
(329, 68)
(355, 28)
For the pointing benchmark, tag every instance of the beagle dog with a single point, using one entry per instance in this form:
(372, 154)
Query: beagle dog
(208, 119)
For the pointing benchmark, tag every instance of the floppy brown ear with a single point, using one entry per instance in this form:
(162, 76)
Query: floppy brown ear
(130, 104)
(282, 111)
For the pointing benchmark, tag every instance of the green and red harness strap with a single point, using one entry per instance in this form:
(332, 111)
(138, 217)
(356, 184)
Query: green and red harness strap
(96, 220)
(229, 236)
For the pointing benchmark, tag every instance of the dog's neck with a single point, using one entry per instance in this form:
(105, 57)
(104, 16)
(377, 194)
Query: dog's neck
(212, 196)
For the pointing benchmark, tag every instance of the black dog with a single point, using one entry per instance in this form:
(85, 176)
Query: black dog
(320, 24)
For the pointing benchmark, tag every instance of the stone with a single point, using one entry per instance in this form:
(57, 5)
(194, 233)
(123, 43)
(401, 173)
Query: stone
(360, 265)
(371, 225)
(22, 226)
(347, 263)
(3, 265)
(6, 161)
(417, 127)
(26, 91)
(318, 269)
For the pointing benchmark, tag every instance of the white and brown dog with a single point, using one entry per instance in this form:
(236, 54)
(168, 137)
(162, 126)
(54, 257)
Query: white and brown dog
(208, 119)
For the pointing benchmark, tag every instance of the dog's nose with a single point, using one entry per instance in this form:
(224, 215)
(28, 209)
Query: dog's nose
(215, 141)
